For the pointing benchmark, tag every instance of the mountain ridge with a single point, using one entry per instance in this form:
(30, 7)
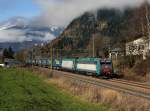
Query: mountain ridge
(111, 28)
(18, 30)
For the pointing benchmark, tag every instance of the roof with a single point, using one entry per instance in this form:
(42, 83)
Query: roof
(116, 50)
(138, 41)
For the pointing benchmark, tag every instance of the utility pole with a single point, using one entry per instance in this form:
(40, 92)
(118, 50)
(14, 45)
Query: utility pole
(148, 22)
(32, 57)
(148, 31)
(93, 46)
(51, 58)
(57, 53)
(94, 37)
(146, 15)
(51, 51)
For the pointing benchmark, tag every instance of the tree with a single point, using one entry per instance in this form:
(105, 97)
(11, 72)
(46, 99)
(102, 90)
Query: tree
(20, 56)
(100, 45)
(8, 53)
(106, 52)
(5, 54)
(11, 53)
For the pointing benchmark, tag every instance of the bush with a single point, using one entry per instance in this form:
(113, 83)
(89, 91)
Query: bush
(142, 67)
(126, 61)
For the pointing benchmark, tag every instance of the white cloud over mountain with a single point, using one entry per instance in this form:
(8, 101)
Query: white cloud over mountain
(55, 13)
(12, 36)
(17, 29)
(62, 12)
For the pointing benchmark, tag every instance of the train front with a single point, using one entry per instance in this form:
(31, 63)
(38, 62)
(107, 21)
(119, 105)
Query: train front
(107, 68)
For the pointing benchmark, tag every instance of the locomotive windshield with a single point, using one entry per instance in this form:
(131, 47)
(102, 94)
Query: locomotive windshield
(106, 63)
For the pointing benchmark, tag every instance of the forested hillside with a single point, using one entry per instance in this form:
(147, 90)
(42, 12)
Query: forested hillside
(109, 28)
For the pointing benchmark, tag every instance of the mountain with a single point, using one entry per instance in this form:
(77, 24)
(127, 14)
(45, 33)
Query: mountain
(19, 33)
(110, 28)
(14, 22)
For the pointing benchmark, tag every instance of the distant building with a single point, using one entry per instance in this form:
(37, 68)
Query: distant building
(116, 53)
(11, 62)
(139, 46)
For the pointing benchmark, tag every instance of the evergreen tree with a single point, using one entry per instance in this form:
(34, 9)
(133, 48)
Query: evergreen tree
(11, 53)
(8, 53)
(5, 53)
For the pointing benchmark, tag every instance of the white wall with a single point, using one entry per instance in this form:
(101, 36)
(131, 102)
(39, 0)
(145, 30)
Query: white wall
(67, 64)
(90, 67)
(138, 47)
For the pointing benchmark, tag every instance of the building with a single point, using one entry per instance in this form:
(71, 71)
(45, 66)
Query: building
(11, 62)
(139, 46)
(116, 53)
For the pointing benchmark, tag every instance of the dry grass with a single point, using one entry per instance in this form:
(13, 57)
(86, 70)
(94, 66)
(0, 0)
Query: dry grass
(129, 74)
(40, 71)
(148, 76)
(118, 101)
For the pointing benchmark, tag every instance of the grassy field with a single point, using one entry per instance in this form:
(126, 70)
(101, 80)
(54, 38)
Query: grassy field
(21, 90)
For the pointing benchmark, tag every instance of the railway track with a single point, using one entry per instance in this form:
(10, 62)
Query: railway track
(124, 86)
(132, 83)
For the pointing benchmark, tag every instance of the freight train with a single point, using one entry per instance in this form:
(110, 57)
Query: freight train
(89, 66)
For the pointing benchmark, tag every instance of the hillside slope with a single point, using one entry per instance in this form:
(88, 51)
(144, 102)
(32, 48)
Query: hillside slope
(109, 27)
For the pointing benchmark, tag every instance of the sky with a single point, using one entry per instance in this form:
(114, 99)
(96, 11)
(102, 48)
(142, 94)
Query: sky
(45, 13)
(56, 12)
(62, 12)
(25, 8)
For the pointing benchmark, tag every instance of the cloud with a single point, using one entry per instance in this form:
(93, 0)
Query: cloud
(38, 35)
(48, 37)
(62, 12)
(12, 36)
